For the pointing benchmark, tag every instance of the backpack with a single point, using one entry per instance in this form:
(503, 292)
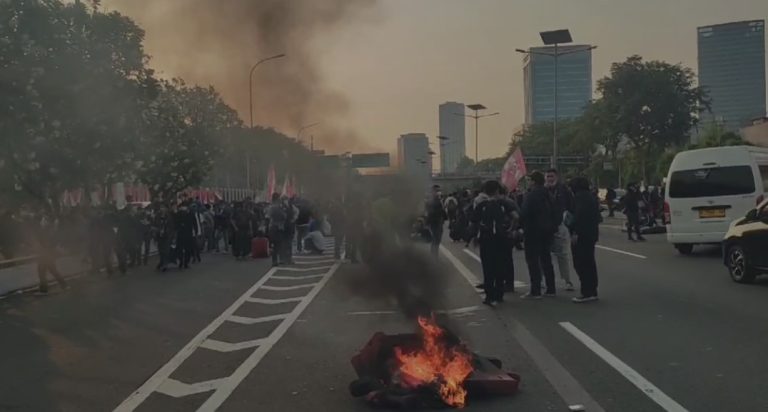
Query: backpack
(550, 217)
(495, 219)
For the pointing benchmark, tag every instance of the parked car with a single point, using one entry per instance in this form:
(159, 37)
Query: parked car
(745, 248)
(707, 189)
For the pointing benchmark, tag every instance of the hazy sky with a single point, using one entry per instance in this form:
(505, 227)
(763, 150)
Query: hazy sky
(420, 53)
(400, 59)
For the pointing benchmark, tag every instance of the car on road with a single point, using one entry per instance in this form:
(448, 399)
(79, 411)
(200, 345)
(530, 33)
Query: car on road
(707, 189)
(745, 248)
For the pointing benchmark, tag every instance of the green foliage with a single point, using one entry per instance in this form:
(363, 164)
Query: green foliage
(82, 110)
(654, 104)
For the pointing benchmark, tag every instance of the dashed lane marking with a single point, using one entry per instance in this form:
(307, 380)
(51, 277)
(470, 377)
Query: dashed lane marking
(569, 389)
(623, 252)
(645, 386)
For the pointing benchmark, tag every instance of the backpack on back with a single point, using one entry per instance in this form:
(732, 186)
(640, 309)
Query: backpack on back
(495, 219)
(550, 217)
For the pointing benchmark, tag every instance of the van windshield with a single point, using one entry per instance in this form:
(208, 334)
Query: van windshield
(718, 181)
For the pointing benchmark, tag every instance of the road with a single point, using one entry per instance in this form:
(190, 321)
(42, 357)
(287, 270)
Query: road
(669, 333)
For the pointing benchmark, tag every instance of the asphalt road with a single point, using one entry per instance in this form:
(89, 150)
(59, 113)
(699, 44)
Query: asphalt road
(669, 333)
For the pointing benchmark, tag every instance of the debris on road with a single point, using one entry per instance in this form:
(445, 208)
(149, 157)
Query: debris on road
(430, 369)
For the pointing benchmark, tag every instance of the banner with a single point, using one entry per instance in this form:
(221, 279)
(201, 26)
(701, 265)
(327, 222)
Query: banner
(514, 170)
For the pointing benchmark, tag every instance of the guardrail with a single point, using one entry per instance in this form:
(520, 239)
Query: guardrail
(4, 264)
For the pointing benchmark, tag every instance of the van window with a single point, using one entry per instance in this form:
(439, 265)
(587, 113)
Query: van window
(718, 181)
(764, 175)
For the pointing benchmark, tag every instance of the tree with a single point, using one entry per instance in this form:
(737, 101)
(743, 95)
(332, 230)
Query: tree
(186, 126)
(73, 82)
(654, 104)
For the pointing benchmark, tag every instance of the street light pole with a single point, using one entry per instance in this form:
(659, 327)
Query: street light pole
(556, 56)
(477, 116)
(303, 128)
(250, 112)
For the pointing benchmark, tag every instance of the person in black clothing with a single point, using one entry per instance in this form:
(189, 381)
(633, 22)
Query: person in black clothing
(45, 237)
(436, 217)
(632, 210)
(125, 244)
(162, 226)
(241, 223)
(302, 222)
(539, 220)
(186, 231)
(493, 220)
(610, 198)
(584, 235)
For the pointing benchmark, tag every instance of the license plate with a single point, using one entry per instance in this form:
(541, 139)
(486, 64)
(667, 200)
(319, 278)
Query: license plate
(711, 213)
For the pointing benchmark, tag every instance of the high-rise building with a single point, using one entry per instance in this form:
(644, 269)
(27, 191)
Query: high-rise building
(413, 156)
(452, 126)
(732, 71)
(574, 83)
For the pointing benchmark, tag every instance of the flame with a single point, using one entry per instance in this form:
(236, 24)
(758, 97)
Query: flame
(436, 363)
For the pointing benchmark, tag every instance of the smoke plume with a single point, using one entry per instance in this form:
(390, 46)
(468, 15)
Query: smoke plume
(217, 42)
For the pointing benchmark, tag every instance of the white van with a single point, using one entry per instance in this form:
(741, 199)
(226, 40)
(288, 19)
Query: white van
(709, 188)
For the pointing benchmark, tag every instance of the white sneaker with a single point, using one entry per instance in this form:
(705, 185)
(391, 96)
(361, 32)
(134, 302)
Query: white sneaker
(531, 297)
(584, 299)
(569, 287)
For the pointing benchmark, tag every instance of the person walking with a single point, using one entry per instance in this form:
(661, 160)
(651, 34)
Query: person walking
(45, 238)
(561, 245)
(186, 232)
(241, 223)
(277, 217)
(209, 234)
(436, 217)
(584, 235)
(162, 226)
(291, 213)
(302, 222)
(540, 220)
(632, 209)
(493, 218)
(610, 199)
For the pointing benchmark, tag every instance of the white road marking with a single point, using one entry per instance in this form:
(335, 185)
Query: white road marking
(315, 262)
(614, 227)
(623, 252)
(289, 269)
(252, 321)
(473, 255)
(569, 389)
(273, 301)
(220, 346)
(223, 387)
(176, 389)
(302, 277)
(282, 288)
(226, 388)
(661, 399)
(151, 385)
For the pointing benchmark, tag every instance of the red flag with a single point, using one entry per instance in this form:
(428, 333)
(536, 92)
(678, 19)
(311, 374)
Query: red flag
(286, 182)
(514, 170)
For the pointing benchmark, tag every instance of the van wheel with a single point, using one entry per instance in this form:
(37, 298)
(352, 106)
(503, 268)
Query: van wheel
(684, 248)
(738, 267)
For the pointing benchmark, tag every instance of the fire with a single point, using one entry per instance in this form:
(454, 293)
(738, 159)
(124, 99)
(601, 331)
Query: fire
(436, 363)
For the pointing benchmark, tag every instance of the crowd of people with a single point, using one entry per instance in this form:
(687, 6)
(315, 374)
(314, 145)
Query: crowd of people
(551, 218)
(111, 239)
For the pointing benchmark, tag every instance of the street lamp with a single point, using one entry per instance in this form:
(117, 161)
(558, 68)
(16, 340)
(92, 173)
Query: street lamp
(250, 112)
(303, 128)
(556, 38)
(250, 81)
(477, 116)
